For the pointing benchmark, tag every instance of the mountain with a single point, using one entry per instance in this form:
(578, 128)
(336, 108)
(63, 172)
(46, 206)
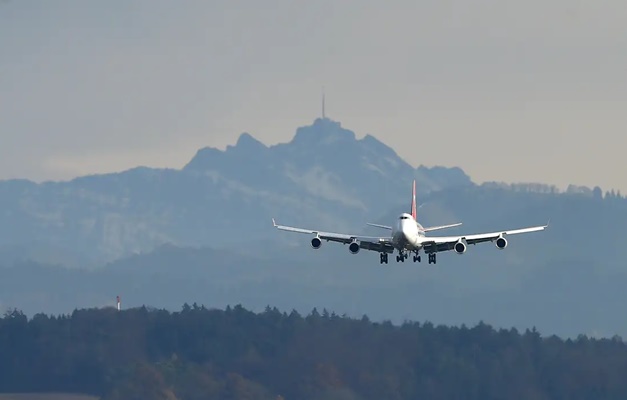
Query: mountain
(202, 234)
(324, 175)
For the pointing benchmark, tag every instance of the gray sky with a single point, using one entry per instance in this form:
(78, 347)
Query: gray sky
(530, 90)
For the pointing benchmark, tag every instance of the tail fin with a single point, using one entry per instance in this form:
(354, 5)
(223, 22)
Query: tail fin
(413, 200)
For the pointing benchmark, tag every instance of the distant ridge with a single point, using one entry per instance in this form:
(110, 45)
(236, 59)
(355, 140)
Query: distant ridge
(323, 175)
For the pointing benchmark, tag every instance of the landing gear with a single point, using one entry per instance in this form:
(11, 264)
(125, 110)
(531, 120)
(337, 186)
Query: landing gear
(404, 255)
(401, 257)
(432, 258)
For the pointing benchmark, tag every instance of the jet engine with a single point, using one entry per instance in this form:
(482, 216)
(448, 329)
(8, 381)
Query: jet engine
(501, 243)
(316, 242)
(460, 247)
(353, 248)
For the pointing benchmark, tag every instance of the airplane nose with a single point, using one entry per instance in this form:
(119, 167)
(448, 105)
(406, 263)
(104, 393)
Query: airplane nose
(406, 229)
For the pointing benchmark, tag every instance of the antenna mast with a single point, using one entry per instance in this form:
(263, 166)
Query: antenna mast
(323, 116)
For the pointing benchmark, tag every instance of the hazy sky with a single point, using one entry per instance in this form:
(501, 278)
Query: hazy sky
(531, 90)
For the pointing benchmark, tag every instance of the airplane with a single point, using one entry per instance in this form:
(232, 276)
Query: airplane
(408, 236)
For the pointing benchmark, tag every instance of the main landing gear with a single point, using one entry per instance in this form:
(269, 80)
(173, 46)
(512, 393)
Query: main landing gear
(402, 256)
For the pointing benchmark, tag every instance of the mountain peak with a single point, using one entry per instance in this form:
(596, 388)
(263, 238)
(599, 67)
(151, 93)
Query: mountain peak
(247, 141)
(246, 144)
(326, 121)
(211, 158)
(323, 131)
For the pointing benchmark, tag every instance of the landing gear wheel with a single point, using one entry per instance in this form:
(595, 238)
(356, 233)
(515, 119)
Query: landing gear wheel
(383, 258)
(416, 258)
(432, 259)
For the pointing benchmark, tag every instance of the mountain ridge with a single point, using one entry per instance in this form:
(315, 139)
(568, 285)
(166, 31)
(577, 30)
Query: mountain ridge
(203, 233)
(323, 175)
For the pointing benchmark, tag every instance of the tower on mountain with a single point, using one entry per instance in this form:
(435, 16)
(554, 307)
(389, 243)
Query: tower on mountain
(323, 115)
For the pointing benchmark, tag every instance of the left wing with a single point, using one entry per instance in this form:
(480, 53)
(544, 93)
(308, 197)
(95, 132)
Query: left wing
(444, 243)
(380, 244)
(437, 228)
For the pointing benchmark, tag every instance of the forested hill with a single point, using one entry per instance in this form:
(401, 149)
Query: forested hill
(237, 354)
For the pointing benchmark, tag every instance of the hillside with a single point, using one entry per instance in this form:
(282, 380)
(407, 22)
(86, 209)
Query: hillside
(554, 280)
(200, 353)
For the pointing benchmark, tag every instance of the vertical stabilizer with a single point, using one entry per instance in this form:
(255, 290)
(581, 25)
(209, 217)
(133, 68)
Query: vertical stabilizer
(413, 200)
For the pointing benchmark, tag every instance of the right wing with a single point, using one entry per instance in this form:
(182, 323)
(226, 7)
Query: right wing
(379, 226)
(380, 244)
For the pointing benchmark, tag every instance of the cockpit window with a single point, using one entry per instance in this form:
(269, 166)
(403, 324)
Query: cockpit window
(403, 217)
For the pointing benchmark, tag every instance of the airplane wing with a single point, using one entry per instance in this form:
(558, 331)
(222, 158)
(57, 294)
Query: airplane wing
(437, 228)
(379, 226)
(434, 244)
(380, 244)
(428, 229)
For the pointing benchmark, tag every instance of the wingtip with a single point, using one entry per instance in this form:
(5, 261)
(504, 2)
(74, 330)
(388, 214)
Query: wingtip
(273, 222)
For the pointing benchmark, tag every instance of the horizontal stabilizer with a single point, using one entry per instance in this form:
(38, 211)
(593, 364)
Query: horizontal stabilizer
(379, 226)
(436, 228)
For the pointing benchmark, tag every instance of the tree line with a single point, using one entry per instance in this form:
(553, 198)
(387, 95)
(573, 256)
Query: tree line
(201, 353)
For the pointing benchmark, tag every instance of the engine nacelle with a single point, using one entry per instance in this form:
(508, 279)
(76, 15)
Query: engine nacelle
(316, 243)
(501, 243)
(353, 248)
(460, 247)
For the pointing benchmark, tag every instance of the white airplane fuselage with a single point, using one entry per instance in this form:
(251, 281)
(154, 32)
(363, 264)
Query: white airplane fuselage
(407, 234)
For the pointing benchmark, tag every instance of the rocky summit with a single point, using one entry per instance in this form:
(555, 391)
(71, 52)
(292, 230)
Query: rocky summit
(324, 175)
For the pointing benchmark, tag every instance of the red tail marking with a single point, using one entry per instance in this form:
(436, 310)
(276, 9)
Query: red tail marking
(413, 200)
